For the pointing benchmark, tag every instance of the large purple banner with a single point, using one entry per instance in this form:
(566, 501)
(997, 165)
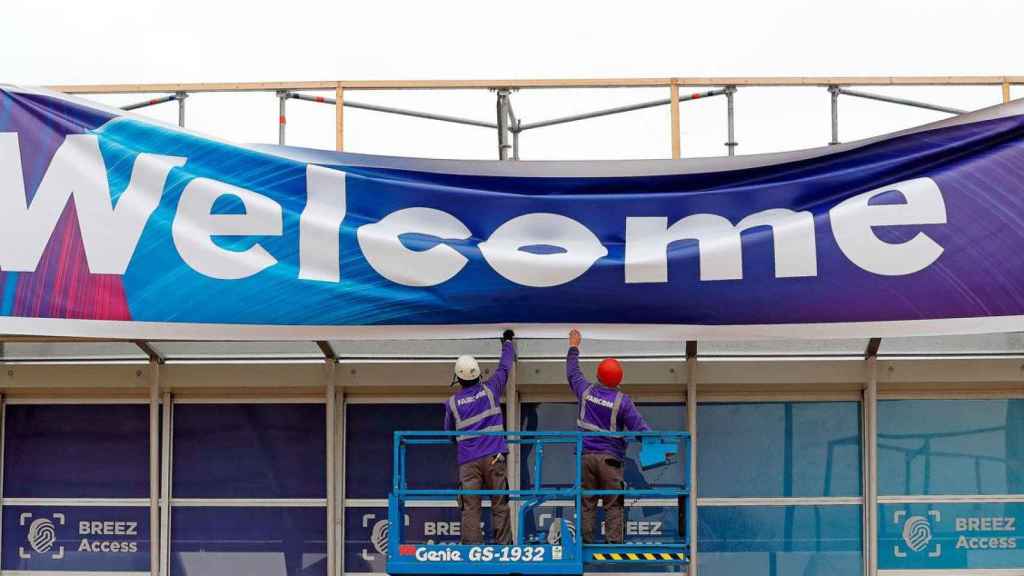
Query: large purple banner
(112, 225)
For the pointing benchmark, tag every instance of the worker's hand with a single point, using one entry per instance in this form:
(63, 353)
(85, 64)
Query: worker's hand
(575, 338)
(507, 335)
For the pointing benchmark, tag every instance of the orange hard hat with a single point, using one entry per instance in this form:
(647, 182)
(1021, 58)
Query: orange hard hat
(609, 372)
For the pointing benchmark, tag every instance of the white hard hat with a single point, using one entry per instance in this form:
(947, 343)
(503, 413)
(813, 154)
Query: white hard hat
(466, 368)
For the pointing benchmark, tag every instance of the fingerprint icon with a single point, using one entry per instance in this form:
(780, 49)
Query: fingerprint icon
(917, 533)
(379, 536)
(41, 535)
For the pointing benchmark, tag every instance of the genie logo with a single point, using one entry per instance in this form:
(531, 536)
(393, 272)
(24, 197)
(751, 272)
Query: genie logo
(917, 534)
(41, 536)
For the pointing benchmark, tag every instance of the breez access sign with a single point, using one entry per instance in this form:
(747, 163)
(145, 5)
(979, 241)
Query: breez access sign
(75, 538)
(947, 536)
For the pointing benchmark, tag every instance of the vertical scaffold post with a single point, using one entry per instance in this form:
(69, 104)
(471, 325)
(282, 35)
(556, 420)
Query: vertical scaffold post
(730, 91)
(834, 91)
(503, 124)
(515, 139)
(1006, 92)
(339, 118)
(674, 119)
(282, 99)
(181, 107)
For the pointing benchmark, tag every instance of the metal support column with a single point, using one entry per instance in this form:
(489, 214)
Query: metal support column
(834, 91)
(691, 427)
(730, 92)
(870, 491)
(165, 486)
(330, 406)
(282, 99)
(181, 107)
(339, 480)
(154, 465)
(512, 424)
(503, 124)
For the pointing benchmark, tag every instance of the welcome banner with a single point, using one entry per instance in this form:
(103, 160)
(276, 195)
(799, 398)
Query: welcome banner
(115, 226)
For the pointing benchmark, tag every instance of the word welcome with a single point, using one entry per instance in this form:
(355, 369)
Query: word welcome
(111, 233)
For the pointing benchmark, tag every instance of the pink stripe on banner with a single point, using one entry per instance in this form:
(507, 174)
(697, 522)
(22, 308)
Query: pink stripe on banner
(63, 287)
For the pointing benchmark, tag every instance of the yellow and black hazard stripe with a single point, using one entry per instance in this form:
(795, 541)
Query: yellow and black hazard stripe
(640, 556)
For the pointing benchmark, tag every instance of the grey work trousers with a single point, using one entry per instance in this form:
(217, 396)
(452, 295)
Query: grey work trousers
(603, 472)
(487, 473)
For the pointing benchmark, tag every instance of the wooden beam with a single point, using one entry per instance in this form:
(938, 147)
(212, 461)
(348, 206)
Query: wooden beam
(545, 83)
(1006, 92)
(674, 104)
(339, 118)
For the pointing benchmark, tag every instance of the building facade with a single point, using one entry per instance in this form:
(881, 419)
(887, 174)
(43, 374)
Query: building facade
(846, 457)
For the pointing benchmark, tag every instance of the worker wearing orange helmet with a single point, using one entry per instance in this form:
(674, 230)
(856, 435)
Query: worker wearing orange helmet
(602, 408)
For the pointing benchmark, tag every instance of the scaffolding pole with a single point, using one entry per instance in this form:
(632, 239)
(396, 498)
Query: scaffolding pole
(282, 99)
(390, 110)
(151, 102)
(620, 109)
(834, 91)
(730, 93)
(181, 107)
(503, 124)
(901, 101)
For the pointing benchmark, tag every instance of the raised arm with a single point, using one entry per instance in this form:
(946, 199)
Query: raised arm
(577, 382)
(508, 355)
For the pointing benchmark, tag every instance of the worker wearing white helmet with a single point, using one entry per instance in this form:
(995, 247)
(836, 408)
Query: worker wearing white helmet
(476, 407)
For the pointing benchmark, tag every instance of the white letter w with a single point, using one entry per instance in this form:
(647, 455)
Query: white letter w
(109, 233)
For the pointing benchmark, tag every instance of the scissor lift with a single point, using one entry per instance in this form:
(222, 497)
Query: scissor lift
(535, 553)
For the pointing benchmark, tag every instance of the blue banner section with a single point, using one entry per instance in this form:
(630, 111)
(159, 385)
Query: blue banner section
(172, 232)
(76, 538)
(937, 536)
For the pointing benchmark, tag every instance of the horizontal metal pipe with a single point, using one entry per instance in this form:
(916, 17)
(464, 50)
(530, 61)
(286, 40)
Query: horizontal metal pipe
(399, 111)
(151, 102)
(618, 110)
(903, 101)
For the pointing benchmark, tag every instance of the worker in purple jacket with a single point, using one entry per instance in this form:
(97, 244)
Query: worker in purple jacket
(603, 408)
(477, 407)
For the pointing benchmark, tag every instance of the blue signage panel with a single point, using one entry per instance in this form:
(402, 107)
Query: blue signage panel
(947, 536)
(367, 531)
(76, 538)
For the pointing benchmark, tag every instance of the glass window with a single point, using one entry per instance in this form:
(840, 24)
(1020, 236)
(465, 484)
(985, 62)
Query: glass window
(76, 451)
(250, 451)
(369, 439)
(783, 541)
(251, 541)
(930, 447)
(779, 449)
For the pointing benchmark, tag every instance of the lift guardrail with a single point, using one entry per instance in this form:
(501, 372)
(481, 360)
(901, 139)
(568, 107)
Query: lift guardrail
(566, 553)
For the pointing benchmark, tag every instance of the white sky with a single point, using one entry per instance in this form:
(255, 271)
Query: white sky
(75, 41)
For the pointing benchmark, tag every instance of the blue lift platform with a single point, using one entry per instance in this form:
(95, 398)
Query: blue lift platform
(565, 553)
